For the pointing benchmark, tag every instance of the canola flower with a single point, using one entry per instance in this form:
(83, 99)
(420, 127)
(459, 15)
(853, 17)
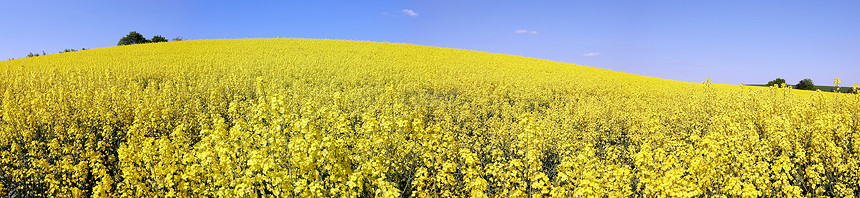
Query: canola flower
(327, 118)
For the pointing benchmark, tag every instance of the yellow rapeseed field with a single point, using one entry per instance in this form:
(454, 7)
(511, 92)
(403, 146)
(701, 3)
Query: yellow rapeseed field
(327, 118)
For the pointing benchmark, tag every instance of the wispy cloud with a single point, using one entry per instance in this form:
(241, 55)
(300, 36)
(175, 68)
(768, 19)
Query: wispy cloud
(409, 12)
(525, 31)
(677, 62)
(592, 54)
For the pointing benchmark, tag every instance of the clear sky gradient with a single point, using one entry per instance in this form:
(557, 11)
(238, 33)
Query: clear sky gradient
(731, 42)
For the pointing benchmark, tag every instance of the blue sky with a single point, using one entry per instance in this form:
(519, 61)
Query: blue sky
(731, 42)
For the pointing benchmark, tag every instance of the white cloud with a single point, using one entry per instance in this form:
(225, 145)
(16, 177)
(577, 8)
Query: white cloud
(592, 54)
(409, 12)
(677, 61)
(525, 31)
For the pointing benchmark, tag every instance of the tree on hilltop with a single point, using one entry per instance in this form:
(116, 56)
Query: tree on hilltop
(158, 38)
(133, 38)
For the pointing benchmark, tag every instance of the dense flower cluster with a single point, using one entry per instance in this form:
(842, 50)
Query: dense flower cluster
(323, 118)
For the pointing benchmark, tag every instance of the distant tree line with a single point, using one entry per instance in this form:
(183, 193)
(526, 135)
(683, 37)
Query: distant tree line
(806, 84)
(132, 38)
(36, 54)
(31, 54)
(136, 38)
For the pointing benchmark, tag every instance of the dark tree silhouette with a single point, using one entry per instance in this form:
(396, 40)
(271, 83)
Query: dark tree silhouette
(805, 84)
(132, 38)
(158, 38)
(778, 82)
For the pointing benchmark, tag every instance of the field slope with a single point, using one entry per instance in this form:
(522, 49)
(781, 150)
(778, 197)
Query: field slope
(329, 118)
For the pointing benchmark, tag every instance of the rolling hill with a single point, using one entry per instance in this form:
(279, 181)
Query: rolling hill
(332, 118)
